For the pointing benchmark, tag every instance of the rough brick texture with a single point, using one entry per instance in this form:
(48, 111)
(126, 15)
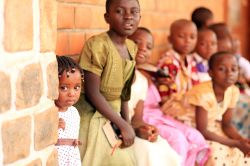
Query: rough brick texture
(46, 125)
(36, 162)
(52, 159)
(28, 117)
(48, 24)
(65, 14)
(16, 137)
(18, 25)
(52, 80)
(5, 92)
(29, 86)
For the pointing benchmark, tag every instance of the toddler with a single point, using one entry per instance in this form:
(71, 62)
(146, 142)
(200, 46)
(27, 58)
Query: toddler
(70, 80)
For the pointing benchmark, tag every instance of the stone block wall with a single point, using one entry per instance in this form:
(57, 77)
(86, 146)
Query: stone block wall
(28, 82)
(77, 20)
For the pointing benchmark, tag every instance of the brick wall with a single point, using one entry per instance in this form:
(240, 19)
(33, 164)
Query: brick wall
(79, 19)
(28, 82)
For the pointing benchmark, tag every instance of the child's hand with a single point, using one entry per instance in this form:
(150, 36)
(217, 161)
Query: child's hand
(61, 123)
(127, 135)
(244, 146)
(168, 109)
(147, 132)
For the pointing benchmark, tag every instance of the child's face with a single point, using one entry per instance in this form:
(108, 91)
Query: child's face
(225, 45)
(225, 70)
(69, 89)
(206, 44)
(144, 42)
(183, 38)
(123, 16)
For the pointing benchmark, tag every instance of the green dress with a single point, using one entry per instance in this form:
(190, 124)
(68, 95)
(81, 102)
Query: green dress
(101, 57)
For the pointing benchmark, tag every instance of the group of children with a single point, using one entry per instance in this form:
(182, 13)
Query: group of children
(176, 113)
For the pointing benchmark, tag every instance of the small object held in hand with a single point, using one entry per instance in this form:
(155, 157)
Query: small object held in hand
(111, 135)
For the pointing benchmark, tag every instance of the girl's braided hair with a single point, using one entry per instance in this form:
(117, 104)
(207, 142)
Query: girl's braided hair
(67, 64)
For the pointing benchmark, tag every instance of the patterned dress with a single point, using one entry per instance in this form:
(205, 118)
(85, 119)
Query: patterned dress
(101, 57)
(157, 153)
(241, 115)
(203, 95)
(69, 155)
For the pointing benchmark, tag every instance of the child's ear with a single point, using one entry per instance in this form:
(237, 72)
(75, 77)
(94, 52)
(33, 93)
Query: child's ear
(106, 17)
(169, 39)
(210, 73)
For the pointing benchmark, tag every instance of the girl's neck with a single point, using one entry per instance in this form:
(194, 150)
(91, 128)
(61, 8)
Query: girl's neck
(219, 92)
(60, 109)
(119, 40)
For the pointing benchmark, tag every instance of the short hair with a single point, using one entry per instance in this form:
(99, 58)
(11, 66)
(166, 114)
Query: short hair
(144, 29)
(200, 15)
(67, 64)
(220, 29)
(215, 56)
(109, 2)
(180, 23)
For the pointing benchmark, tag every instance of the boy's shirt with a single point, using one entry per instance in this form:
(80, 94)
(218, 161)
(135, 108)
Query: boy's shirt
(187, 73)
(201, 66)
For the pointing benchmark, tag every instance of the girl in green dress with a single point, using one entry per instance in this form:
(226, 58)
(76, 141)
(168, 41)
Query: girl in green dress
(108, 60)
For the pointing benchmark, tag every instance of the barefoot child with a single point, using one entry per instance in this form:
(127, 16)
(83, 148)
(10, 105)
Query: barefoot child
(70, 80)
(214, 101)
(108, 60)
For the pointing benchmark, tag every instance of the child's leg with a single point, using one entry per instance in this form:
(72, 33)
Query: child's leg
(198, 149)
(176, 139)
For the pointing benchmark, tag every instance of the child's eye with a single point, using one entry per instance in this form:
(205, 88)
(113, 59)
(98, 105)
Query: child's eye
(235, 69)
(120, 11)
(77, 87)
(221, 68)
(193, 37)
(63, 88)
(135, 11)
(149, 47)
(181, 36)
(136, 42)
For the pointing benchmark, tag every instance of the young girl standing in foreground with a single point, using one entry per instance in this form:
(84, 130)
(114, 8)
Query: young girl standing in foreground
(70, 79)
(214, 101)
(108, 63)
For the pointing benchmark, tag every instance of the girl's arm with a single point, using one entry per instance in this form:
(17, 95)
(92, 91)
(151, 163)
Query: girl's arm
(227, 126)
(125, 111)
(231, 132)
(138, 113)
(142, 129)
(92, 90)
(201, 124)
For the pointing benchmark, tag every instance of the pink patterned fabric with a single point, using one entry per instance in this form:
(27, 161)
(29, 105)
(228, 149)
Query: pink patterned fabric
(187, 141)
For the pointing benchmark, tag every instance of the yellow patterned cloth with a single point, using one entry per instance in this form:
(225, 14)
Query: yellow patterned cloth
(203, 95)
(101, 57)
